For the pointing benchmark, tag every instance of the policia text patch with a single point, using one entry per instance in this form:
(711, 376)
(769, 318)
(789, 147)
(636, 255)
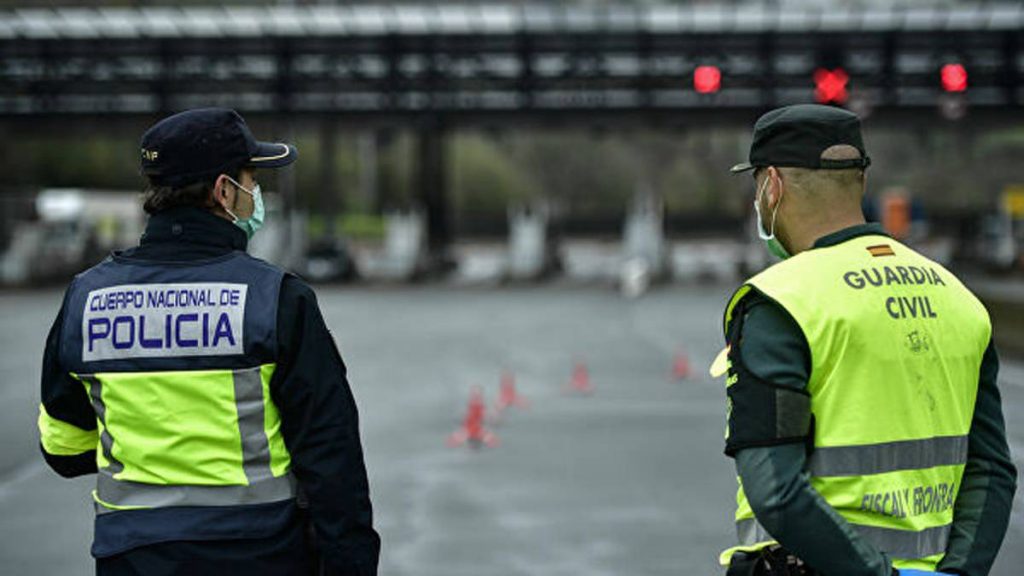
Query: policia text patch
(163, 320)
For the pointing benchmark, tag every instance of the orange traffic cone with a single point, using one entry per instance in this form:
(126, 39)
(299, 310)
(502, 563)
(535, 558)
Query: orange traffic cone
(472, 430)
(681, 366)
(507, 394)
(580, 381)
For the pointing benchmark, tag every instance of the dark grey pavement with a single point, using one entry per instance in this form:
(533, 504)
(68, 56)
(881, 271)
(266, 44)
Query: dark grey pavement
(628, 481)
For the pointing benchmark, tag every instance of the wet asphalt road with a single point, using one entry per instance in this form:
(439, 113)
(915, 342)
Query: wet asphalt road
(627, 481)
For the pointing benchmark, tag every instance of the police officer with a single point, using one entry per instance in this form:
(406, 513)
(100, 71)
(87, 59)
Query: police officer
(202, 386)
(864, 416)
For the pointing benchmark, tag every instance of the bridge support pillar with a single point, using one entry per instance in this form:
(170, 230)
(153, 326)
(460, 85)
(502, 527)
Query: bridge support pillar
(432, 193)
(327, 201)
(369, 170)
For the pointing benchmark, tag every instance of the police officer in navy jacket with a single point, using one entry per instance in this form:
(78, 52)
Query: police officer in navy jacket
(202, 386)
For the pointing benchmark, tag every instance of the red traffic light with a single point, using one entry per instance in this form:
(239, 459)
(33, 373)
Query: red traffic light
(830, 86)
(954, 78)
(707, 79)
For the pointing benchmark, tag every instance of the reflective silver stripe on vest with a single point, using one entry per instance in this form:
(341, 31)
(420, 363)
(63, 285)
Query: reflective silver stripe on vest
(136, 494)
(262, 486)
(895, 543)
(249, 404)
(106, 440)
(888, 457)
(749, 532)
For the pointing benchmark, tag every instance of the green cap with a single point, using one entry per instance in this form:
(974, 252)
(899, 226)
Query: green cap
(796, 136)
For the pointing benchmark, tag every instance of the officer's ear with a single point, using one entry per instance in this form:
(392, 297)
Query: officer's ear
(775, 189)
(219, 193)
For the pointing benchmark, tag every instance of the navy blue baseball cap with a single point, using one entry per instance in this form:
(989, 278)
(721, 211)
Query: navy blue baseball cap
(200, 144)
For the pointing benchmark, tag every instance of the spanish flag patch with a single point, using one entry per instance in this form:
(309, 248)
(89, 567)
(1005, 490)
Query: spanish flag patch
(881, 250)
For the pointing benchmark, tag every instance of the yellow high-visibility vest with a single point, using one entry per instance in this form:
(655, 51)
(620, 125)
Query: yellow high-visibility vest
(177, 362)
(896, 344)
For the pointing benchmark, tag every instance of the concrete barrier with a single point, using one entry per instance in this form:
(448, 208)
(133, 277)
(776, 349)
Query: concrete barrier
(532, 254)
(405, 256)
(645, 256)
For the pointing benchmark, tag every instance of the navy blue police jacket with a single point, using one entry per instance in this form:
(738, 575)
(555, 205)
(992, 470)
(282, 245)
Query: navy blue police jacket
(319, 424)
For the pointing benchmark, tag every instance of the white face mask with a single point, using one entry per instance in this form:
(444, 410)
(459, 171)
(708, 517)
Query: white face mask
(254, 222)
(774, 246)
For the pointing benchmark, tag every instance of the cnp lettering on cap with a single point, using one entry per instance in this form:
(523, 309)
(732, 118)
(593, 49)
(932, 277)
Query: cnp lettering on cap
(163, 320)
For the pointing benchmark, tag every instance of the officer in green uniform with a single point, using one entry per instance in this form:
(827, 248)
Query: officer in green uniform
(863, 412)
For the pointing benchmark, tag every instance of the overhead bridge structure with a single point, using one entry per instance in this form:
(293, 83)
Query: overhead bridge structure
(437, 67)
(467, 63)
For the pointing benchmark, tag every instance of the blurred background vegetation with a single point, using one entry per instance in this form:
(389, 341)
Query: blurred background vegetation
(592, 173)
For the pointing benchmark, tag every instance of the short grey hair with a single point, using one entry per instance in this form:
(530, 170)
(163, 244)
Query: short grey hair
(850, 180)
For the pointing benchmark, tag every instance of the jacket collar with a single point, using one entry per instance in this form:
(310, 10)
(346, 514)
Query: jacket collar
(840, 236)
(193, 226)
